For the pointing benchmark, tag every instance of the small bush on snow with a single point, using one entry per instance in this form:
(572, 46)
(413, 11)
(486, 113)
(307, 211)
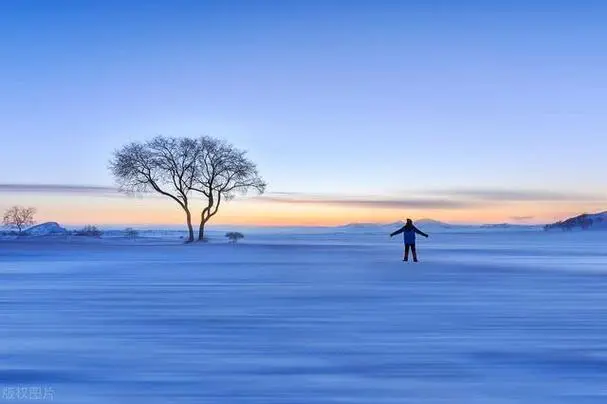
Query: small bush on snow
(89, 231)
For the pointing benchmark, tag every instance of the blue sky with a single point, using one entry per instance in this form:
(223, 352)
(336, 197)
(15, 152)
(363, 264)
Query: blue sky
(369, 100)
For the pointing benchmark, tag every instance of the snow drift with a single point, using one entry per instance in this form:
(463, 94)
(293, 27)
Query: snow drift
(46, 229)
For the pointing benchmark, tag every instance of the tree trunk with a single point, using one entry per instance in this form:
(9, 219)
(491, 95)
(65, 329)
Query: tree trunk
(190, 228)
(201, 230)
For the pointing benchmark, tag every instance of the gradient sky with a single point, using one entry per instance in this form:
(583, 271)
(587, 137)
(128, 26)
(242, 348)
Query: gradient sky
(470, 111)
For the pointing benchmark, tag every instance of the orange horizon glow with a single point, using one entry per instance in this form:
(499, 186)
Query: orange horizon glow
(80, 210)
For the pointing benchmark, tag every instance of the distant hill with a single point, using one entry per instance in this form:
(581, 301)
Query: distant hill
(596, 221)
(507, 226)
(46, 229)
(393, 225)
(434, 225)
(496, 226)
(428, 224)
(368, 227)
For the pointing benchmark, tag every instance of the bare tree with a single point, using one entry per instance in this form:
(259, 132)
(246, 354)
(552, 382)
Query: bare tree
(165, 165)
(19, 217)
(222, 172)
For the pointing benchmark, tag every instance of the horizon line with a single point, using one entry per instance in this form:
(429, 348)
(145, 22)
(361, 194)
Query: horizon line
(278, 226)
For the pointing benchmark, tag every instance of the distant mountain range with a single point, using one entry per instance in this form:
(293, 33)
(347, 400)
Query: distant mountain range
(397, 224)
(433, 224)
(596, 221)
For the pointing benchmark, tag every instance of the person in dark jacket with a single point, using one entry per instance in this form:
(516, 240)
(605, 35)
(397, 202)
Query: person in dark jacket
(409, 230)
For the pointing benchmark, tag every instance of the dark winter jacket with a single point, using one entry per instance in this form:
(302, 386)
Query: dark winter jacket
(409, 232)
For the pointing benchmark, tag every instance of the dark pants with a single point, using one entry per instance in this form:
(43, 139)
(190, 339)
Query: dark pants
(412, 247)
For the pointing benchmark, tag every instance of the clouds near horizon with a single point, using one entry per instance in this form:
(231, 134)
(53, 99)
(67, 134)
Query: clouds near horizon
(104, 204)
(58, 189)
(518, 195)
(464, 198)
(457, 199)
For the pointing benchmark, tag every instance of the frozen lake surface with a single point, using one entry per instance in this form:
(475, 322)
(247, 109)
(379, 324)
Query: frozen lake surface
(491, 317)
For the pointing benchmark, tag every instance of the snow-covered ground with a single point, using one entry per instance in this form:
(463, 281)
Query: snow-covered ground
(486, 317)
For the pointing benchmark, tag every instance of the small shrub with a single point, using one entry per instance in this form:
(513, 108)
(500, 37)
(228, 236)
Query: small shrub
(131, 233)
(89, 231)
(234, 236)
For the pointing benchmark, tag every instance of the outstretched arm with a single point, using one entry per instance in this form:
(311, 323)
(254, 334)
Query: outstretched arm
(397, 231)
(418, 231)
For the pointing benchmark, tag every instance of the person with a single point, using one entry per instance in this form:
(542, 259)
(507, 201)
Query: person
(409, 230)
